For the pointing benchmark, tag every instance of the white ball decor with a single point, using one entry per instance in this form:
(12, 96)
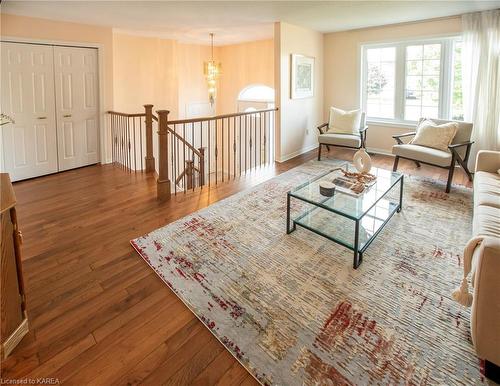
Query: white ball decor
(362, 161)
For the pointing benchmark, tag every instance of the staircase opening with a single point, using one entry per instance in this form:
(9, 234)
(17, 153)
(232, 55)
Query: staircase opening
(197, 152)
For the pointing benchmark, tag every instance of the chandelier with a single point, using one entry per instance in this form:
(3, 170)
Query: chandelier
(212, 70)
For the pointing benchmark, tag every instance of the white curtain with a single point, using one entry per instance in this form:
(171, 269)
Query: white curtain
(481, 79)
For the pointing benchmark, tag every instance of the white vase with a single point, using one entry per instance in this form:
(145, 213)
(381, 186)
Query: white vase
(362, 161)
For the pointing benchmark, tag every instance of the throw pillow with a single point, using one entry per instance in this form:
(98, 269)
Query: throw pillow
(344, 122)
(430, 134)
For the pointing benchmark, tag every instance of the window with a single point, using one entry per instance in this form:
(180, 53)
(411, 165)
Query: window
(422, 77)
(380, 82)
(457, 108)
(404, 81)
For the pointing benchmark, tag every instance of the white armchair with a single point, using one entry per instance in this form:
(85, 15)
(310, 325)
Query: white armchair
(352, 141)
(458, 151)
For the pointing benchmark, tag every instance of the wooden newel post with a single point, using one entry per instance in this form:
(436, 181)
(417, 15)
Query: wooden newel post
(163, 183)
(149, 159)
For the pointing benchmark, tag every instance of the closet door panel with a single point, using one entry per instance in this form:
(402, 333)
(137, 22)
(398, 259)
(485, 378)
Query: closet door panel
(29, 146)
(76, 106)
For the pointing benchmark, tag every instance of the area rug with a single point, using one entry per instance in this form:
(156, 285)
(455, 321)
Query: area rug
(292, 309)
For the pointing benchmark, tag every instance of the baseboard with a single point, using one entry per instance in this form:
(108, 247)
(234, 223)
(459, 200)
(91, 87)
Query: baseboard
(375, 150)
(297, 153)
(13, 340)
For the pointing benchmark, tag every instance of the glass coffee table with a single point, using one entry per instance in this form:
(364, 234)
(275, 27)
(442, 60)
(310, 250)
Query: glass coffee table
(349, 220)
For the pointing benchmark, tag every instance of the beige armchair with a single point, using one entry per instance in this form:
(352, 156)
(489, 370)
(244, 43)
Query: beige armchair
(352, 141)
(458, 151)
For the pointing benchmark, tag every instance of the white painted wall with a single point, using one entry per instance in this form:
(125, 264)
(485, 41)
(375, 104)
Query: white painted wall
(297, 119)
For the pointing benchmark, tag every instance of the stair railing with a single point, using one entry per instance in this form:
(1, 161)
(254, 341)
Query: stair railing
(132, 139)
(192, 153)
(211, 150)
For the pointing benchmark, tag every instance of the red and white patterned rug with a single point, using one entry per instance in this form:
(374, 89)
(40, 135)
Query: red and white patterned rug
(293, 311)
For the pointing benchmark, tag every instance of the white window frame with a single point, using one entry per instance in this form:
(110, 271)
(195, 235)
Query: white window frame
(445, 80)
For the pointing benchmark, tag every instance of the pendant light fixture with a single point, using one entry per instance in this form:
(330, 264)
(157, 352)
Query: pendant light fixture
(212, 71)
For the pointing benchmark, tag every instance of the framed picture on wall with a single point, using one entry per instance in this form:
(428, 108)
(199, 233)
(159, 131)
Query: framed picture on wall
(302, 76)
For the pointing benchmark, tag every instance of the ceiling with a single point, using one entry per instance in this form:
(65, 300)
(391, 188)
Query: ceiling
(237, 21)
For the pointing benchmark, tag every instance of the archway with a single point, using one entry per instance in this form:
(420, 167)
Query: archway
(259, 97)
(257, 93)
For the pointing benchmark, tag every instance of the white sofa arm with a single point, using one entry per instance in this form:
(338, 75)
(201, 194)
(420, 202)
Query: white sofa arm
(488, 161)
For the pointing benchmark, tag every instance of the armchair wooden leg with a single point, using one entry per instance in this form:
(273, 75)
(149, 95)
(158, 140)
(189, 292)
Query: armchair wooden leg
(450, 178)
(319, 152)
(463, 164)
(462, 161)
(469, 174)
(450, 173)
(395, 166)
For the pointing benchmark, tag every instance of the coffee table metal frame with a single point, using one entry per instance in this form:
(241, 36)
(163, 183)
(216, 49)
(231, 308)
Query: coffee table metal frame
(291, 224)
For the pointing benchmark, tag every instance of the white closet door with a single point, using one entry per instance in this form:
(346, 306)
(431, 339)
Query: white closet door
(76, 105)
(27, 84)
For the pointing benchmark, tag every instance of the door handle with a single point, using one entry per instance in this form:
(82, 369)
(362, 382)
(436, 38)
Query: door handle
(67, 116)
(42, 118)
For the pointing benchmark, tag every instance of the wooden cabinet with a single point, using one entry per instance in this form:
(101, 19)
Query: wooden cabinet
(14, 320)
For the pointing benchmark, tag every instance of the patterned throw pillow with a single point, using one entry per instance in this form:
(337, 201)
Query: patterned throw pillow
(344, 122)
(430, 134)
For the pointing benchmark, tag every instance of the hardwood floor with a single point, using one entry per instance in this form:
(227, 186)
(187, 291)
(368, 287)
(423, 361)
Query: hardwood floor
(98, 314)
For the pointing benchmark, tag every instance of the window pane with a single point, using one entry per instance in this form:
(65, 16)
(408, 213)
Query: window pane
(422, 77)
(414, 83)
(414, 67)
(414, 52)
(457, 111)
(430, 112)
(431, 83)
(430, 99)
(432, 67)
(413, 98)
(373, 55)
(380, 82)
(432, 51)
(412, 113)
